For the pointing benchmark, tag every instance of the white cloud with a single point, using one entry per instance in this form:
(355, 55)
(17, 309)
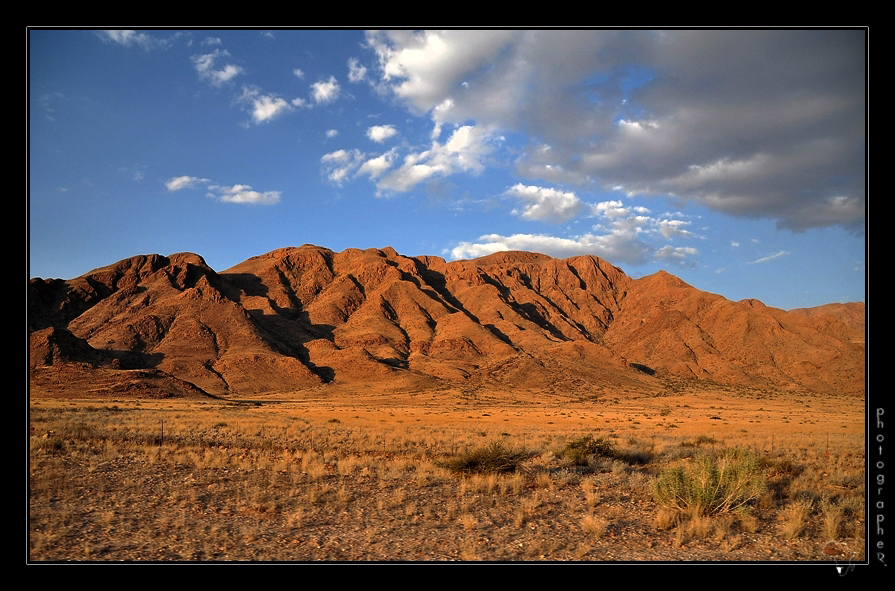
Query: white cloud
(184, 182)
(669, 228)
(332, 132)
(356, 72)
(679, 254)
(771, 257)
(375, 167)
(424, 68)
(298, 73)
(337, 156)
(245, 194)
(212, 41)
(325, 91)
(263, 107)
(380, 133)
(340, 165)
(545, 204)
(128, 38)
(464, 151)
(611, 209)
(268, 107)
(125, 37)
(606, 246)
(205, 66)
(622, 234)
(232, 194)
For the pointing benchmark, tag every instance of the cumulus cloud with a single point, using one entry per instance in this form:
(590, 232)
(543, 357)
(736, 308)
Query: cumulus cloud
(626, 234)
(753, 123)
(266, 107)
(464, 151)
(676, 254)
(425, 68)
(263, 107)
(544, 203)
(669, 228)
(356, 72)
(339, 166)
(128, 38)
(216, 76)
(325, 91)
(375, 167)
(380, 133)
(611, 209)
(245, 194)
(226, 194)
(337, 156)
(607, 246)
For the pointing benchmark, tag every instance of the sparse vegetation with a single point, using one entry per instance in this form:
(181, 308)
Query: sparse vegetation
(712, 484)
(495, 457)
(285, 482)
(582, 449)
(795, 516)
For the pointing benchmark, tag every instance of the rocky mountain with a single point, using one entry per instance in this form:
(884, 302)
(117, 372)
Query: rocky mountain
(297, 318)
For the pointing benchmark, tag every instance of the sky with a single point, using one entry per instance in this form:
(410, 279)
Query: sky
(733, 159)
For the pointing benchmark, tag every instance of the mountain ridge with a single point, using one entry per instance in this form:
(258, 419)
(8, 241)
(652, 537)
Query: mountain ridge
(301, 317)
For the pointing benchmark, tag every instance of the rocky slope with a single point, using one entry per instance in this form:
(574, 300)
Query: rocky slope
(300, 317)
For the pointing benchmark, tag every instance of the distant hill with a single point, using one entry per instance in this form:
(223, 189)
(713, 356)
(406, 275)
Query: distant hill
(300, 317)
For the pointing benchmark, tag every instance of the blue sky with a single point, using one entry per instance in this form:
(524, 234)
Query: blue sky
(732, 159)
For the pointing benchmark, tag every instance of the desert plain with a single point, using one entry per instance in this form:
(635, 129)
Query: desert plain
(330, 477)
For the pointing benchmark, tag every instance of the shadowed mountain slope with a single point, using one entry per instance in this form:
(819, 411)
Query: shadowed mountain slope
(297, 318)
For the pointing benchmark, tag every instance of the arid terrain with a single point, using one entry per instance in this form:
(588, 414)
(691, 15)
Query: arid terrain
(308, 405)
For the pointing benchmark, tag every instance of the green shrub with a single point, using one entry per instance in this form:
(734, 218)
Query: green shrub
(711, 484)
(578, 450)
(494, 457)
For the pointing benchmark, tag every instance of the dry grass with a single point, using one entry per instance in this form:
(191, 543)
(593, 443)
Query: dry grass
(286, 482)
(795, 517)
(833, 516)
(593, 525)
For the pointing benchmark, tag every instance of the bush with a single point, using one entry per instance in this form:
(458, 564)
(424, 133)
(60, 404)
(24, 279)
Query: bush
(494, 457)
(711, 484)
(578, 450)
(700, 441)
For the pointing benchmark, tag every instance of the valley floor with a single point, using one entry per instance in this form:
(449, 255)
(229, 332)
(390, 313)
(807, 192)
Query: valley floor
(342, 476)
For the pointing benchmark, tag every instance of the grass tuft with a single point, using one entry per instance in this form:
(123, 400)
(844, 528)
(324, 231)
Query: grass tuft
(709, 485)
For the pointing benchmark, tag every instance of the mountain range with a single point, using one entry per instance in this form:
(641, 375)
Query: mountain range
(302, 318)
